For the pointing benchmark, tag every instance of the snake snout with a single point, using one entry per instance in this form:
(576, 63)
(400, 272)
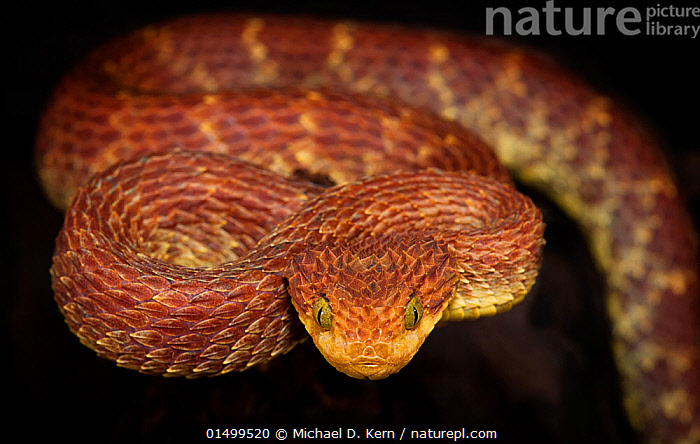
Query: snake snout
(367, 358)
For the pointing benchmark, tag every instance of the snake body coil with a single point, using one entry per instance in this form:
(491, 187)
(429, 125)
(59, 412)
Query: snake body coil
(193, 264)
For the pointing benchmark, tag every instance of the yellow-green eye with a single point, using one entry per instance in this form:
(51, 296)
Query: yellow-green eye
(322, 313)
(414, 312)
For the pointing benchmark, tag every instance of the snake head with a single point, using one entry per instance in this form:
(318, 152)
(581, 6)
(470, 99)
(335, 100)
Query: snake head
(370, 303)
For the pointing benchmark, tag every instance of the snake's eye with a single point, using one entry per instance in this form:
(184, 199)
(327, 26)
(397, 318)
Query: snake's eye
(322, 313)
(414, 312)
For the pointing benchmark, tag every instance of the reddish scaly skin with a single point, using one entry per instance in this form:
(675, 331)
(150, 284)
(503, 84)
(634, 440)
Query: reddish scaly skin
(547, 126)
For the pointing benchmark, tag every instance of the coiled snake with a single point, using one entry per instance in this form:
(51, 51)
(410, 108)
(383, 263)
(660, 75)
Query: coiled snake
(185, 263)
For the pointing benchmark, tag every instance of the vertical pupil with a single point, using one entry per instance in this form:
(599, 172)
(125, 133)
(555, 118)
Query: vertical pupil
(322, 313)
(414, 311)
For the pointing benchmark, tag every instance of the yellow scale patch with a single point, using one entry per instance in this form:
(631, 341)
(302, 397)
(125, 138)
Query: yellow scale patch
(266, 70)
(439, 54)
(342, 41)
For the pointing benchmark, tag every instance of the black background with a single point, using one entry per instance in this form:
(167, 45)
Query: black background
(541, 371)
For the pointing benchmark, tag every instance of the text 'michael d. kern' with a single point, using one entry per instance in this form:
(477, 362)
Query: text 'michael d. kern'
(340, 433)
(371, 433)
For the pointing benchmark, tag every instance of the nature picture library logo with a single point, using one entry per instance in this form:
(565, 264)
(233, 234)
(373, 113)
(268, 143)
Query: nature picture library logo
(656, 20)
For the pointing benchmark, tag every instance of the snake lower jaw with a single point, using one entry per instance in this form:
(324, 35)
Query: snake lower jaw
(370, 369)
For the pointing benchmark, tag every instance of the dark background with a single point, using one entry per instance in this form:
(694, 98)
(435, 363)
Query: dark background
(541, 371)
